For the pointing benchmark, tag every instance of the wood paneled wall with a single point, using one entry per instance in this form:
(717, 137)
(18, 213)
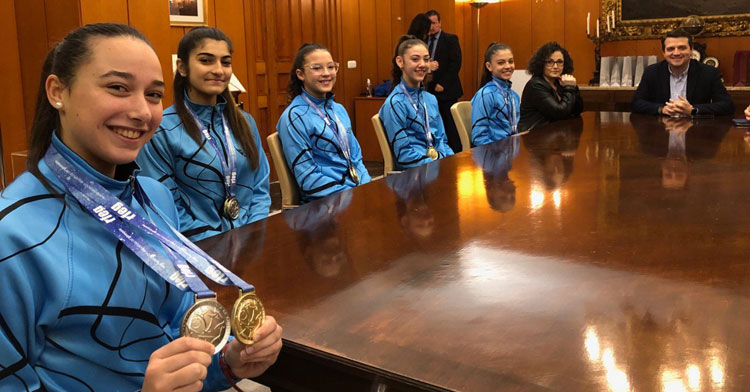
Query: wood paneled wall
(265, 36)
(267, 33)
(12, 120)
(527, 24)
(723, 48)
(371, 29)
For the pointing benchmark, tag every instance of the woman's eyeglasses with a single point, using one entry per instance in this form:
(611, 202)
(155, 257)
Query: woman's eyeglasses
(552, 63)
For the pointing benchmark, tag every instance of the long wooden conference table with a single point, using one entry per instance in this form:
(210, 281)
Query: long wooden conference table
(610, 252)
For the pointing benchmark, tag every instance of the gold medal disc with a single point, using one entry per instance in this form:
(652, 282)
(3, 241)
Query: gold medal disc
(353, 174)
(231, 208)
(207, 320)
(247, 316)
(432, 153)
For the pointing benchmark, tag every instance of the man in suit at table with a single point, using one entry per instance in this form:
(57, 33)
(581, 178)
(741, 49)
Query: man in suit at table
(445, 53)
(679, 86)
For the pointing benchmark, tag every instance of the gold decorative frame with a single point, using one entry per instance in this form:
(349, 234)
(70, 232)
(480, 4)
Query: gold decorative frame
(186, 20)
(714, 26)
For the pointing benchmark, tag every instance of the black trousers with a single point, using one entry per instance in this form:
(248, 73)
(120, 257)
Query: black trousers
(450, 126)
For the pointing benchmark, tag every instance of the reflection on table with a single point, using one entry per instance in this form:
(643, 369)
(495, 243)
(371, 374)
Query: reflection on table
(586, 272)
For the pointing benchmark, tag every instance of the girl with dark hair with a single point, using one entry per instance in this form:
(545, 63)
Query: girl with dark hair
(495, 108)
(315, 131)
(551, 94)
(81, 311)
(207, 151)
(410, 115)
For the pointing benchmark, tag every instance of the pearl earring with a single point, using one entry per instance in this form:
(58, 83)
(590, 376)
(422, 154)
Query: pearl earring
(58, 105)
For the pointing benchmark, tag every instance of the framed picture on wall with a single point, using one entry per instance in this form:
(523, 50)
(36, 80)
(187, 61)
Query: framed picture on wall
(187, 12)
(652, 19)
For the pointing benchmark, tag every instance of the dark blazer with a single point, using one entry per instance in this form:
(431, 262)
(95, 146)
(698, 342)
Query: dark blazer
(705, 90)
(448, 56)
(539, 103)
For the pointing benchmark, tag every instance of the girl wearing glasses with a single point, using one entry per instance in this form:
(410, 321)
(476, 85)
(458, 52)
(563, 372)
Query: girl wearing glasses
(315, 131)
(410, 115)
(495, 108)
(207, 151)
(551, 94)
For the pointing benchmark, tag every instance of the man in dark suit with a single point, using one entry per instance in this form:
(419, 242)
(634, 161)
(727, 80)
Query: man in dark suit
(445, 53)
(679, 86)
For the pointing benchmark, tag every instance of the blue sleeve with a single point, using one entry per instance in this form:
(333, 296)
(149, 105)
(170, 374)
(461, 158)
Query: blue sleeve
(393, 114)
(295, 140)
(157, 161)
(438, 130)
(481, 108)
(20, 337)
(32, 287)
(261, 202)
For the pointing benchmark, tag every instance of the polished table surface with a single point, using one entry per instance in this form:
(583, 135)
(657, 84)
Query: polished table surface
(610, 252)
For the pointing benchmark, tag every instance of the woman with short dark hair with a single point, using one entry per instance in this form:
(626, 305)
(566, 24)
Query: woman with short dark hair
(551, 94)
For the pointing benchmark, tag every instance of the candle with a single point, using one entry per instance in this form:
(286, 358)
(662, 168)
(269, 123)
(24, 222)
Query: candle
(609, 26)
(588, 23)
(597, 28)
(613, 19)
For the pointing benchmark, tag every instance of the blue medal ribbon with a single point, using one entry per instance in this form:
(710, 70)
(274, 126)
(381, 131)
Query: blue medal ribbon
(342, 136)
(95, 199)
(228, 167)
(195, 255)
(427, 132)
(119, 219)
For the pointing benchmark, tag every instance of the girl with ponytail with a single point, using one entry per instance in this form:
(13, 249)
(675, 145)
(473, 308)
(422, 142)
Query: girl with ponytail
(89, 302)
(495, 108)
(206, 150)
(410, 115)
(315, 131)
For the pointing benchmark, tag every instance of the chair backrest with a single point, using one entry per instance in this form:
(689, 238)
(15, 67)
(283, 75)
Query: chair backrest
(519, 80)
(385, 147)
(289, 187)
(461, 112)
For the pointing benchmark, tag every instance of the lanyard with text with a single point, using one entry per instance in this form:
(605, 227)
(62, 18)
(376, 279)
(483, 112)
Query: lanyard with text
(508, 96)
(197, 256)
(427, 133)
(341, 134)
(228, 166)
(117, 218)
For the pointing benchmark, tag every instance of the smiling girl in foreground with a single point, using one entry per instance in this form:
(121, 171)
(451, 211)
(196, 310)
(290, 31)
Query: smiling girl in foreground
(85, 305)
